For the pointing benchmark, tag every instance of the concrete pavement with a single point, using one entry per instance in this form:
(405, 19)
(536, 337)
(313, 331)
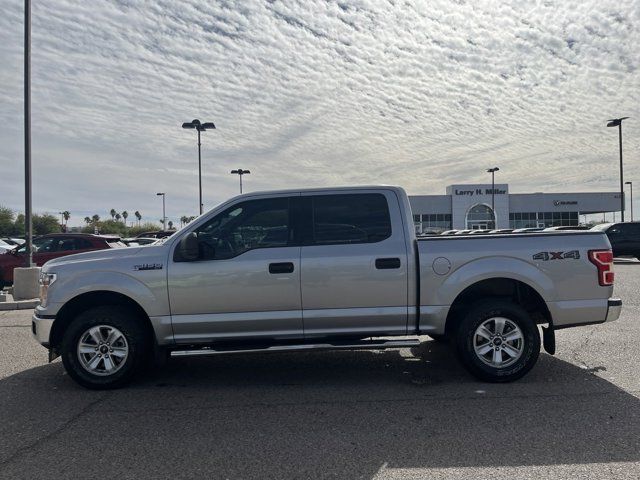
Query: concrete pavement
(400, 414)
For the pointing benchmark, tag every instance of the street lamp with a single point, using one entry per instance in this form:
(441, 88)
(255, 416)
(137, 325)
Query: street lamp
(617, 122)
(240, 172)
(164, 217)
(630, 197)
(28, 222)
(493, 171)
(200, 127)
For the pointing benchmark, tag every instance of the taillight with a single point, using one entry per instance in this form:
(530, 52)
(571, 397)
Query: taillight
(603, 260)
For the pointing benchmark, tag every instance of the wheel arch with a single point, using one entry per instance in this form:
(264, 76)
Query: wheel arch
(87, 300)
(512, 289)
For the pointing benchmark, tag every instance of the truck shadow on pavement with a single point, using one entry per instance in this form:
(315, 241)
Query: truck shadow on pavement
(313, 415)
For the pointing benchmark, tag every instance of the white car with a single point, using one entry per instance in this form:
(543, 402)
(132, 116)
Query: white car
(5, 247)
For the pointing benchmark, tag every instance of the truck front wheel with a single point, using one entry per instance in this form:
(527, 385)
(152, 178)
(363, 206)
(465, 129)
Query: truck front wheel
(497, 341)
(104, 347)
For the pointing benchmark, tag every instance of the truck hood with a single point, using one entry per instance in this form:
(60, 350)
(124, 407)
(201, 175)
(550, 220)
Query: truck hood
(101, 255)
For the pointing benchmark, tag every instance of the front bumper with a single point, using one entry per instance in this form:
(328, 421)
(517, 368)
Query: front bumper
(614, 307)
(41, 329)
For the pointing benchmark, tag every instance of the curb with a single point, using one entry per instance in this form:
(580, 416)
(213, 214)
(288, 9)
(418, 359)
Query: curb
(20, 305)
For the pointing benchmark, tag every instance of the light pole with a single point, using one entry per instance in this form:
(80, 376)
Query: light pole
(630, 197)
(164, 217)
(28, 223)
(200, 127)
(617, 122)
(240, 172)
(493, 171)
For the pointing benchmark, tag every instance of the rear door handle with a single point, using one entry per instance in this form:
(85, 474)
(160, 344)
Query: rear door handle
(284, 267)
(387, 263)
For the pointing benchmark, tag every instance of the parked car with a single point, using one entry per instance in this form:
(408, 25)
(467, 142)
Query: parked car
(502, 230)
(48, 247)
(137, 242)
(5, 247)
(566, 227)
(624, 238)
(528, 230)
(449, 232)
(242, 277)
(13, 241)
(156, 234)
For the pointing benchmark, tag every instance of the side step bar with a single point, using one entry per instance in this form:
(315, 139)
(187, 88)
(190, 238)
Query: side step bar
(364, 345)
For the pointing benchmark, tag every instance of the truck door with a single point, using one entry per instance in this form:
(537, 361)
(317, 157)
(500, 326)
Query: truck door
(245, 283)
(354, 265)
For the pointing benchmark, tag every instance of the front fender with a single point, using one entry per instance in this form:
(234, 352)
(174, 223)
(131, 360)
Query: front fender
(150, 293)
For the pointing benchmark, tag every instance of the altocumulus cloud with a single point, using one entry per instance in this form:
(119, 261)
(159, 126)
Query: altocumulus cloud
(314, 93)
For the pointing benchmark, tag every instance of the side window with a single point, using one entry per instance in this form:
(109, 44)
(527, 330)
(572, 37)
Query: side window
(46, 245)
(350, 218)
(245, 226)
(67, 245)
(82, 244)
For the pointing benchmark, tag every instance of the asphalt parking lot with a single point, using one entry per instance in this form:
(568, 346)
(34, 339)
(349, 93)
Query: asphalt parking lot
(395, 414)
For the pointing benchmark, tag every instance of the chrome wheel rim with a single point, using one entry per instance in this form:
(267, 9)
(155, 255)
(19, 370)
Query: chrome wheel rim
(102, 350)
(498, 342)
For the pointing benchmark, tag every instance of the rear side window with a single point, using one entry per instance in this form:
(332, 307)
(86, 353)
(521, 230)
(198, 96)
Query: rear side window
(351, 218)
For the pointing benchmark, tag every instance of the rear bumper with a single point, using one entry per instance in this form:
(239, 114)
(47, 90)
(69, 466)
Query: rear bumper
(614, 307)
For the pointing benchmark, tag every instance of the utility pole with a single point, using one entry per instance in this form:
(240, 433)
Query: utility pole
(28, 224)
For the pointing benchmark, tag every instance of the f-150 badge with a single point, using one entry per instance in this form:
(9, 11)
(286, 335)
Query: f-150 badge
(148, 266)
(575, 254)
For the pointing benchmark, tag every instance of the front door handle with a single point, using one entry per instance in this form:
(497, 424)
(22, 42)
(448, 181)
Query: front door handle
(284, 267)
(387, 263)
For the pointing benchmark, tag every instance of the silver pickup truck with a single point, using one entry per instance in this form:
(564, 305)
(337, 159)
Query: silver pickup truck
(336, 268)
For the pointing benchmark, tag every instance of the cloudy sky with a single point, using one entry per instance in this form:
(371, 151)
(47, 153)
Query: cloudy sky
(310, 93)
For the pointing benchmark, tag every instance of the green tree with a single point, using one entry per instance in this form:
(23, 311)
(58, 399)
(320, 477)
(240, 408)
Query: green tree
(95, 218)
(118, 217)
(113, 213)
(170, 225)
(7, 226)
(125, 215)
(87, 220)
(43, 224)
(138, 216)
(66, 215)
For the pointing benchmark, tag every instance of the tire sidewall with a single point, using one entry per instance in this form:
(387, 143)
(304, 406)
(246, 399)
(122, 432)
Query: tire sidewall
(114, 316)
(479, 313)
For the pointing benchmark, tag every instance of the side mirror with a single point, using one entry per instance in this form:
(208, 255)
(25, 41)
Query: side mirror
(189, 247)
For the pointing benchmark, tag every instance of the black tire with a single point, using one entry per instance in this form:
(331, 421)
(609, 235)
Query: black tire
(438, 337)
(137, 344)
(529, 346)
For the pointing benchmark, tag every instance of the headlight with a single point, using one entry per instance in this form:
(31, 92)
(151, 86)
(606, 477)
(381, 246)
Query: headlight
(46, 279)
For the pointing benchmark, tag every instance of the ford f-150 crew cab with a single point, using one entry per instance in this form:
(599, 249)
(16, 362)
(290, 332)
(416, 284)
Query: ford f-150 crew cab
(336, 268)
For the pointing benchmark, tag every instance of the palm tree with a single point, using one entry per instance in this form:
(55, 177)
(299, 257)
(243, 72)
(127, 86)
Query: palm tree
(87, 220)
(113, 213)
(183, 220)
(138, 216)
(95, 219)
(170, 225)
(66, 215)
(125, 214)
(118, 217)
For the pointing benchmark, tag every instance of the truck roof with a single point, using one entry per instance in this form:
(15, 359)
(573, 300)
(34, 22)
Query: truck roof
(320, 189)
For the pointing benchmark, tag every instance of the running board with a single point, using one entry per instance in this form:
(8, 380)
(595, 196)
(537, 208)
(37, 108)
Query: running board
(365, 345)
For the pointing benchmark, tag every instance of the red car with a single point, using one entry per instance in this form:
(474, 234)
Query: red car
(52, 246)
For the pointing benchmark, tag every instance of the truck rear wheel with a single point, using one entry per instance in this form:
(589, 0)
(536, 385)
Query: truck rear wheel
(104, 347)
(497, 341)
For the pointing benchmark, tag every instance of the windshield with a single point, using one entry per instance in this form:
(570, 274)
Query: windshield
(39, 245)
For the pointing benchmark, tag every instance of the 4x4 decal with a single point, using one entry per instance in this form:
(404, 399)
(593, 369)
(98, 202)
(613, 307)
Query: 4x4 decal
(575, 254)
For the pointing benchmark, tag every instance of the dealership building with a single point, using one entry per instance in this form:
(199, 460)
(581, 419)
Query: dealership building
(477, 207)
